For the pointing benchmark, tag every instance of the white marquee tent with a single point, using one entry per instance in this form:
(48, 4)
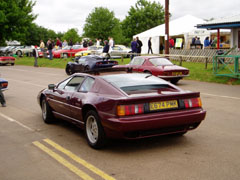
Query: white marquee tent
(182, 27)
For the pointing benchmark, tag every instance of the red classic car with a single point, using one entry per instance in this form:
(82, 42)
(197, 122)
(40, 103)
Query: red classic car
(157, 66)
(68, 51)
(129, 106)
(7, 60)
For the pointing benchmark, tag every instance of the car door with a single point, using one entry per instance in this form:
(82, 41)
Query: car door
(80, 97)
(60, 100)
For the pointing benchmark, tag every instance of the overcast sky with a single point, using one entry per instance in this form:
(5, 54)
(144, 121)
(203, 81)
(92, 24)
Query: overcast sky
(61, 15)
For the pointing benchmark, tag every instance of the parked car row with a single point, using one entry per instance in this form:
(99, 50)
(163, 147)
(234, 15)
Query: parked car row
(115, 52)
(18, 50)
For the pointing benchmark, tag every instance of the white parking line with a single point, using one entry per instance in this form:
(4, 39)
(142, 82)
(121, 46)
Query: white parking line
(229, 97)
(13, 120)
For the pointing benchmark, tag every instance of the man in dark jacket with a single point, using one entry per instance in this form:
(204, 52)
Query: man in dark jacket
(50, 47)
(150, 45)
(134, 47)
(139, 46)
(106, 49)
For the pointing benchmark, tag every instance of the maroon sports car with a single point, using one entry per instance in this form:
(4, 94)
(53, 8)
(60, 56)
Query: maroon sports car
(158, 66)
(129, 106)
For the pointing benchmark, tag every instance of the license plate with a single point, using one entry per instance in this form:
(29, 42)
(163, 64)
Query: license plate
(177, 73)
(163, 105)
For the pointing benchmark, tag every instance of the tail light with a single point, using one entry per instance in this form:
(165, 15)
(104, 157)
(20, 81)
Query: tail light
(115, 62)
(126, 110)
(4, 85)
(166, 73)
(185, 72)
(192, 103)
(98, 63)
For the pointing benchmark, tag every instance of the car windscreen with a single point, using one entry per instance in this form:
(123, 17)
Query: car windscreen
(136, 82)
(160, 62)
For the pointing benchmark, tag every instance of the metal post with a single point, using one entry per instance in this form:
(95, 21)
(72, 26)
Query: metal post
(206, 62)
(218, 38)
(166, 26)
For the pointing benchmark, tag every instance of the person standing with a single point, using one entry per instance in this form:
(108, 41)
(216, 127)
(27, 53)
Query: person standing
(35, 55)
(106, 49)
(64, 44)
(97, 42)
(150, 46)
(58, 43)
(206, 42)
(139, 46)
(134, 47)
(90, 43)
(70, 42)
(50, 47)
(111, 42)
(42, 45)
(2, 99)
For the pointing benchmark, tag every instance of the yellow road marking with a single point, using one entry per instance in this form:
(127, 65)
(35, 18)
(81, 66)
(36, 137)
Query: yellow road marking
(63, 161)
(79, 160)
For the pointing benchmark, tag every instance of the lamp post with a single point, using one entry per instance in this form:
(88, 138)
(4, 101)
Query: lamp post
(166, 26)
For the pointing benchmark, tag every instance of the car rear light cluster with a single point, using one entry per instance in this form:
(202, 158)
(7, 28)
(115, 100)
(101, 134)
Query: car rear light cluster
(185, 72)
(192, 103)
(126, 110)
(166, 73)
(115, 62)
(4, 85)
(99, 63)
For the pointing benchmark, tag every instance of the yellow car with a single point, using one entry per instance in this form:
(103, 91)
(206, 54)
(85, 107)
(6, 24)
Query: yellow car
(90, 51)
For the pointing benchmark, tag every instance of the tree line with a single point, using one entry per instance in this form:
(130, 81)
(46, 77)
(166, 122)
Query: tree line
(16, 23)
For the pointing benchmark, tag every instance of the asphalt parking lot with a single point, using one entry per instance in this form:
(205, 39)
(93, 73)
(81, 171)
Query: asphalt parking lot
(30, 149)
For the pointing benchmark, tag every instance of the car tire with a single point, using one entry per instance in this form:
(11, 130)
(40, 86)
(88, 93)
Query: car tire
(12, 64)
(68, 70)
(94, 131)
(46, 112)
(86, 68)
(65, 56)
(174, 81)
(19, 53)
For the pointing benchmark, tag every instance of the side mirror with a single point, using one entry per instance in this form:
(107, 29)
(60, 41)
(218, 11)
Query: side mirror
(51, 86)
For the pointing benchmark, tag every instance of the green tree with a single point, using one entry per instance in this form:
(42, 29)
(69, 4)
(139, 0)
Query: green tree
(101, 23)
(16, 17)
(71, 34)
(143, 16)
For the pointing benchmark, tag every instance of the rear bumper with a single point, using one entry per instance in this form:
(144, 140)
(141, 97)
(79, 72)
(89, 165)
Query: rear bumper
(134, 127)
(173, 77)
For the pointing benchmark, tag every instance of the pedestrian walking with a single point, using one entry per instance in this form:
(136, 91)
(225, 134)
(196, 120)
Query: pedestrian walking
(150, 45)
